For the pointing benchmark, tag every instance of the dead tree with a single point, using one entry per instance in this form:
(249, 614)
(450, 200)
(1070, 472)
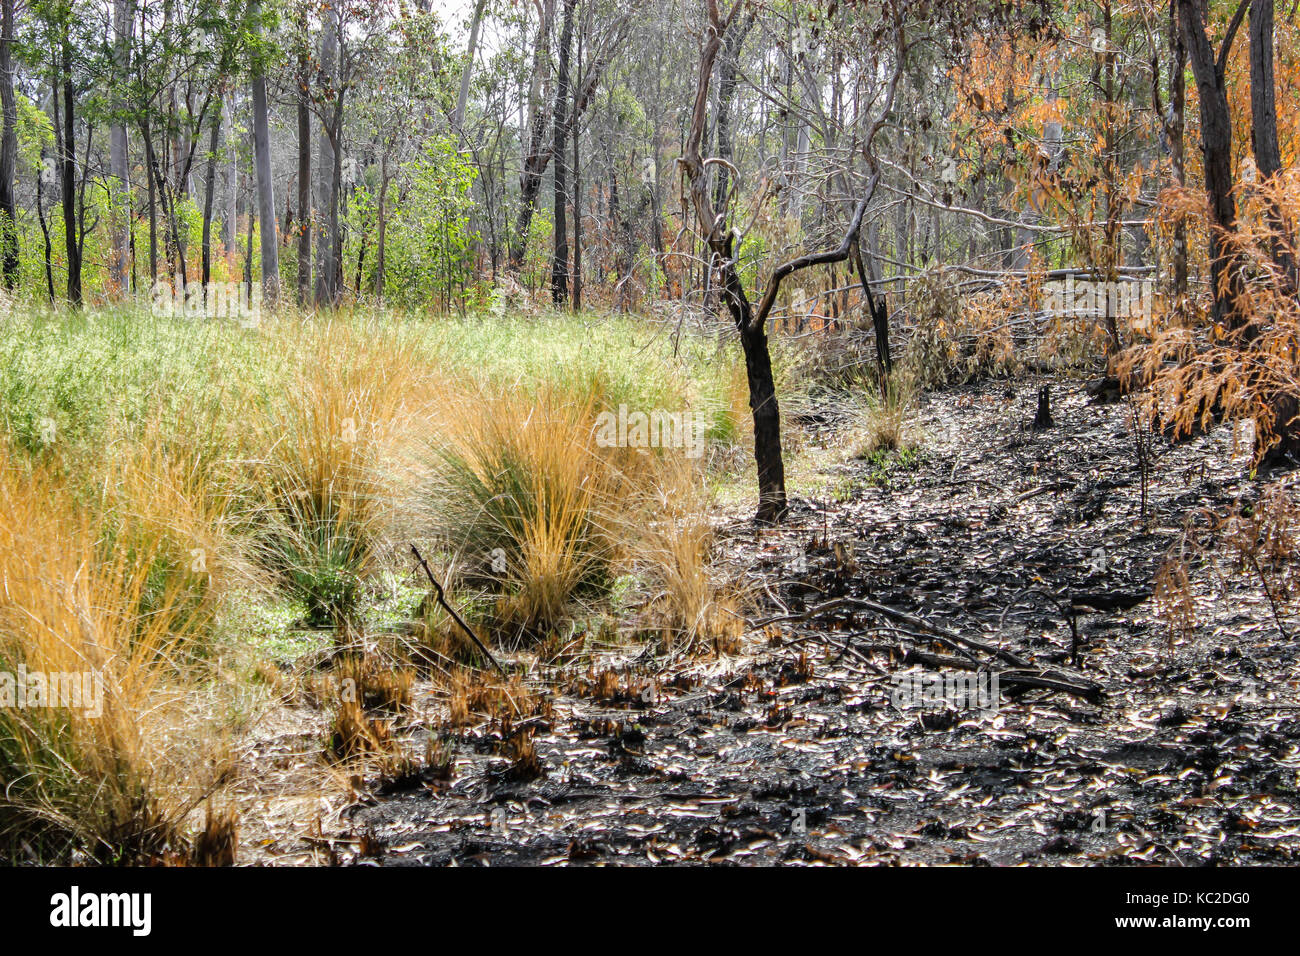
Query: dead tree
(721, 242)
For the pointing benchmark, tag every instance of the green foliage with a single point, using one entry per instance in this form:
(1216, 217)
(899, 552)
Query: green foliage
(429, 244)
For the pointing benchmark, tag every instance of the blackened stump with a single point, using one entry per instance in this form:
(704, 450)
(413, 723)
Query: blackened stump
(1043, 420)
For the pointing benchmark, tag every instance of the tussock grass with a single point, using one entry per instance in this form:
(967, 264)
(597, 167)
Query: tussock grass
(114, 781)
(523, 493)
(888, 424)
(321, 490)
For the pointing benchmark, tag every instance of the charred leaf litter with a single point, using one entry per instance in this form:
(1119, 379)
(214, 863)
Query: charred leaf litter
(998, 545)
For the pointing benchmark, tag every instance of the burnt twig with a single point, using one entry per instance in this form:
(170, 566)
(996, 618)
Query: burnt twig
(442, 600)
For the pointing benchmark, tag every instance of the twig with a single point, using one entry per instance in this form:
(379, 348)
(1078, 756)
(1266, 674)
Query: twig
(442, 600)
(1268, 593)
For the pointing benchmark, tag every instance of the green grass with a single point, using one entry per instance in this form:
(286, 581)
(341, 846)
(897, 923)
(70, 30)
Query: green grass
(624, 360)
(101, 372)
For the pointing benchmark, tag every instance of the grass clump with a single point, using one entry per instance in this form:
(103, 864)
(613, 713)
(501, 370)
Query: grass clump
(523, 495)
(114, 775)
(321, 489)
(889, 424)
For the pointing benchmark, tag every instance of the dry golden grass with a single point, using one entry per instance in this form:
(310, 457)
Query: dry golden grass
(474, 696)
(889, 424)
(326, 482)
(690, 606)
(374, 684)
(356, 736)
(527, 495)
(119, 784)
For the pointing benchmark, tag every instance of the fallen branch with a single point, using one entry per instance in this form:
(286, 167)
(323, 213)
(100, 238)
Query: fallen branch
(903, 618)
(442, 600)
(1023, 674)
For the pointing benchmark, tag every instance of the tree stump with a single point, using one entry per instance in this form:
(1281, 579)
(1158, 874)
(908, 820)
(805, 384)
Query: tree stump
(1043, 420)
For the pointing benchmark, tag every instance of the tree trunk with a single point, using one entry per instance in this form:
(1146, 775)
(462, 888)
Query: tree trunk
(577, 222)
(766, 412)
(119, 194)
(1268, 160)
(152, 200)
(304, 185)
(772, 504)
(45, 228)
(1177, 109)
(8, 149)
(68, 156)
(560, 259)
(230, 180)
(538, 156)
(265, 187)
(381, 229)
(728, 80)
(1216, 145)
(1263, 104)
(209, 194)
(265, 193)
(1263, 100)
(462, 100)
(325, 161)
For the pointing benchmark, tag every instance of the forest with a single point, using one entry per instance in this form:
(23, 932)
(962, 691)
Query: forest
(649, 432)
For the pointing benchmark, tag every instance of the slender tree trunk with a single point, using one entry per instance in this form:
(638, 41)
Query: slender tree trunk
(304, 186)
(626, 253)
(230, 180)
(209, 194)
(68, 156)
(537, 156)
(45, 227)
(248, 245)
(336, 193)
(560, 259)
(265, 187)
(324, 173)
(152, 200)
(577, 223)
(265, 194)
(772, 504)
(120, 194)
(728, 80)
(1268, 160)
(1263, 103)
(728, 77)
(462, 100)
(381, 229)
(1176, 125)
(8, 149)
(1216, 145)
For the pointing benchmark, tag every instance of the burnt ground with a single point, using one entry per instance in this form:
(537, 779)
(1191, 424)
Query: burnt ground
(794, 750)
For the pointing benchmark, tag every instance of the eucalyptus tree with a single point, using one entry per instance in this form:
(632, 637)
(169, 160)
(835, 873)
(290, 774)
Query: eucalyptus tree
(60, 46)
(403, 105)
